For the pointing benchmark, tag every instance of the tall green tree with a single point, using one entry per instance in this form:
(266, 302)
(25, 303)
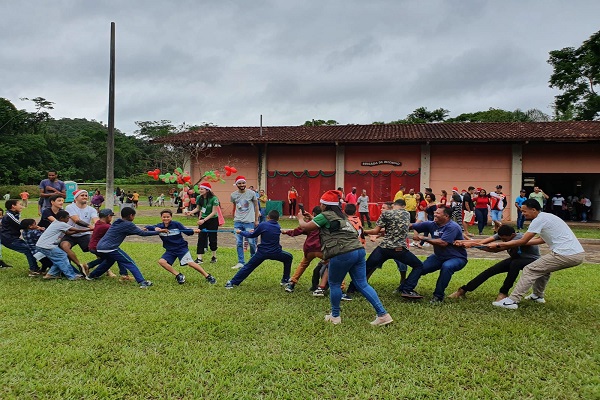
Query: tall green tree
(499, 115)
(577, 75)
(320, 122)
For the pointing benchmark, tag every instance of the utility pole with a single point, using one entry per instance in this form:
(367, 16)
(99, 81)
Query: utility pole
(110, 138)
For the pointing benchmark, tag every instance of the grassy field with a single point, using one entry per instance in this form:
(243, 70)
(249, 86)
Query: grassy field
(105, 339)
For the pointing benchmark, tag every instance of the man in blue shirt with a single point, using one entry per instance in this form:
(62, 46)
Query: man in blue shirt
(446, 257)
(268, 249)
(518, 204)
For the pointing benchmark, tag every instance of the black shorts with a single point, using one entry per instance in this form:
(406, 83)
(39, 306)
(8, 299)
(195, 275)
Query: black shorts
(82, 241)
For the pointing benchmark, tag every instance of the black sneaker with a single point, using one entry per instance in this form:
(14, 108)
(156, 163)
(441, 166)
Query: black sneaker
(290, 287)
(284, 282)
(211, 279)
(345, 297)
(145, 284)
(180, 278)
(436, 300)
(410, 294)
(199, 261)
(213, 260)
(4, 265)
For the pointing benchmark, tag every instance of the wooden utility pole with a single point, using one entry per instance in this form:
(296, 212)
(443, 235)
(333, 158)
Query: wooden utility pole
(110, 138)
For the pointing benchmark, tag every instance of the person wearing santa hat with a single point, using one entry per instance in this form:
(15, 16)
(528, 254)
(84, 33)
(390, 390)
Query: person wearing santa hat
(207, 208)
(81, 215)
(345, 253)
(245, 217)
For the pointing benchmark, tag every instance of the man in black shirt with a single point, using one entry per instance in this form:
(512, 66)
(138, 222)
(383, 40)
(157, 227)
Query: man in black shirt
(468, 211)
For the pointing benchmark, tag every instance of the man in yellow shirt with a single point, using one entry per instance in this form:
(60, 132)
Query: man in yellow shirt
(411, 204)
(399, 194)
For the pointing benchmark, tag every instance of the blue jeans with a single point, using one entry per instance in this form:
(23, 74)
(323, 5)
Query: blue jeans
(433, 263)
(244, 226)
(520, 220)
(353, 263)
(258, 258)
(20, 246)
(263, 215)
(100, 262)
(497, 215)
(60, 262)
(122, 259)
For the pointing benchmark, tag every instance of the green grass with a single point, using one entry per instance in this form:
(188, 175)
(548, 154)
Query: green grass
(105, 339)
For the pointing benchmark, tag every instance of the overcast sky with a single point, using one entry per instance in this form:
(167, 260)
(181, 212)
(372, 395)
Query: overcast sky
(227, 62)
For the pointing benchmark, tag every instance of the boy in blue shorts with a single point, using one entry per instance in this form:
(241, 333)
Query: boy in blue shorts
(176, 247)
(268, 249)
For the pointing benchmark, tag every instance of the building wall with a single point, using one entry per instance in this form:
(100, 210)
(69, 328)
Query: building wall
(561, 158)
(409, 156)
(299, 158)
(243, 158)
(479, 165)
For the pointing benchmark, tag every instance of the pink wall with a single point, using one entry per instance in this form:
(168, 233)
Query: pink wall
(561, 158)
(479, 165)
(299, 158)
(243, 158)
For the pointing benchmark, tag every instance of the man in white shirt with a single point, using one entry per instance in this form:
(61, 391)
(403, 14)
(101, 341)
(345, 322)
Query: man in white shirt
(566, 252)
(81, 216)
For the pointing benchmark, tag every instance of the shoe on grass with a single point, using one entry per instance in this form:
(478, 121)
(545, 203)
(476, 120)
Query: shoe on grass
(506, 303)
(319, 292)
(211, 279)
(410, 294)
(346, 297)
(237, 266)
(4, 265)
(284, 282)
(180, 278)
(199, 261)
(229, 285)
(213, 260)
(383, 320)
(33, 273)
(289, 287)
(333, 320)
(126, 278)
(145, 284)
(49, 277)
(536, 298)
(436, 300)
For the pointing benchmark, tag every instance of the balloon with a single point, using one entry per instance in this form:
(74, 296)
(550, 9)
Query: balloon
(180, 186)
(229, 170)
(154, 174)
(196, 189)
(179, 170)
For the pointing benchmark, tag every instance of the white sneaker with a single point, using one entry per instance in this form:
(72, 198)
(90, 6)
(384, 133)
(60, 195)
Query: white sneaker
(383, 320)
(333, 320)
(506, 303)
(535, 298)
(237, 266)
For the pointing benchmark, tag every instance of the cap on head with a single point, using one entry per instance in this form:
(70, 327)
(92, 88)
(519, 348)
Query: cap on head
(106, 212)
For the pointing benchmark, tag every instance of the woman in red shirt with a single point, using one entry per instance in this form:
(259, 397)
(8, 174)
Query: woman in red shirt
(292, 198)
(482, 202)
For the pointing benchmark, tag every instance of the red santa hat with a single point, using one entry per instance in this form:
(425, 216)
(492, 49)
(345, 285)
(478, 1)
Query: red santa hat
(331, 198)
(78, 192)
(239, 179)
(206, 186)
(455, 189)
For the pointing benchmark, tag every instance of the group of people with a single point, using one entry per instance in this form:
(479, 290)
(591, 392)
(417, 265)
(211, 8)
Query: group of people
(336, 237)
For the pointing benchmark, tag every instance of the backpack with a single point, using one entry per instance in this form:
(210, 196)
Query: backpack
(339, 238)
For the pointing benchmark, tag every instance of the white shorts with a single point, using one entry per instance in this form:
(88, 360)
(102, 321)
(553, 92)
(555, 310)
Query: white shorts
(468, 217)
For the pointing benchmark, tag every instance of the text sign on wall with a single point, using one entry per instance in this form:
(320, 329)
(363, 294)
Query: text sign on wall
(380, 162)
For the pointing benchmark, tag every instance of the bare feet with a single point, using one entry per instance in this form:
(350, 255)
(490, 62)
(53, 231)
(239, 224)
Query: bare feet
(459, 294)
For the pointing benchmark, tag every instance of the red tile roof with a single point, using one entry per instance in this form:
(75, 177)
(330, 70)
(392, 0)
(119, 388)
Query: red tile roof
(571, 131)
